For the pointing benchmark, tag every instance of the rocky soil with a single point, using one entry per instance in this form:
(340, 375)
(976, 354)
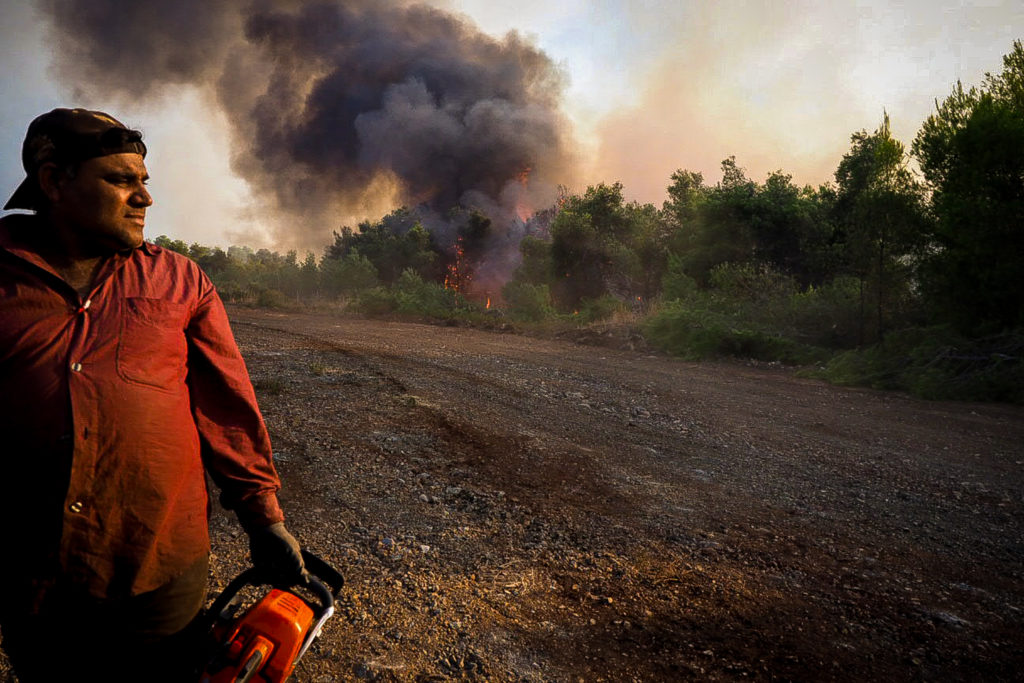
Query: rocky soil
(513, 509)
(516, 509)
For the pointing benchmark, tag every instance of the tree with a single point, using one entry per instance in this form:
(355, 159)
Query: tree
(536, 268)
(309, 276)
(971, 153)
(775, 224)
(791, 230)
(713, 224)
(348, 275)
(392, 245)
(166, 242)
(685, 195)
(600, 245)
(880, 212)
(214, 261)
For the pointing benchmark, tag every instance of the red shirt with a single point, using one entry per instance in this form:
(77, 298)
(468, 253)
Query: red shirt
(113, 406)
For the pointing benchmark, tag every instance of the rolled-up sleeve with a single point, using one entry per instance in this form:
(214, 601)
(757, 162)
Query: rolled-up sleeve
(235, 445)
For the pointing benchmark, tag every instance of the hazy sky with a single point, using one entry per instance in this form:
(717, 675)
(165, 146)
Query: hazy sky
(653, 87)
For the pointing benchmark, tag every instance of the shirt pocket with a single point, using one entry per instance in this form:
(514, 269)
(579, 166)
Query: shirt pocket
(152, 349)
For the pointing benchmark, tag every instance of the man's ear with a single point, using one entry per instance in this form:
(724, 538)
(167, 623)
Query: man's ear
(49, 177)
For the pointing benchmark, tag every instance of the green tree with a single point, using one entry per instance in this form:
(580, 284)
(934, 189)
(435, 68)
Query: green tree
(392, 245)
(880, 212)
(174, 245)
(713, 224)
(791, 230)
(348, 275)
(685, 196)
(971, 153)
(775, 224)
(537, 267)
(600, 245)
(214, 261)
(309, 277)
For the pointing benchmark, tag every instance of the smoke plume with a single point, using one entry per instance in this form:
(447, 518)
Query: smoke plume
(339, 108)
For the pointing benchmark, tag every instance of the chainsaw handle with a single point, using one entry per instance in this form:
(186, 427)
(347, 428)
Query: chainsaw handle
(318, 569)
(320, 578)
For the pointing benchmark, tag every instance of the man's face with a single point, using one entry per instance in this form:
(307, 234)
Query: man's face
(105, 202)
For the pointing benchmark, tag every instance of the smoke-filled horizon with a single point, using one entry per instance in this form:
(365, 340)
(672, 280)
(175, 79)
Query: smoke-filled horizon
(340, 108)
(647, 88)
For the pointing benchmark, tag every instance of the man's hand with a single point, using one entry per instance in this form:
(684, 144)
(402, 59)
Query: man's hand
(276, 553)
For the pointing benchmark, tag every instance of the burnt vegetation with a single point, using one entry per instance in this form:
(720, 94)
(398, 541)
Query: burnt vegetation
(889, 276)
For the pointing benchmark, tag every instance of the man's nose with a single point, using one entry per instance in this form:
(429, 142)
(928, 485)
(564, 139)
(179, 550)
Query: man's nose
(141, 197)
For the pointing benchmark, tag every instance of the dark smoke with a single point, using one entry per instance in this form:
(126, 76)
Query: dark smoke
(330, 101)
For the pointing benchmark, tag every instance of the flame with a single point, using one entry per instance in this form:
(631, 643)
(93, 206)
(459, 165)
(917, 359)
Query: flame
(488, 306)
(456, 279)
(523, 209)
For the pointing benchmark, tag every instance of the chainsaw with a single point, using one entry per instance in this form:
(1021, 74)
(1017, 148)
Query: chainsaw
(263, 641)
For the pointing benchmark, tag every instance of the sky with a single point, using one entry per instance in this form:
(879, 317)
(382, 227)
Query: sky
(652, 87)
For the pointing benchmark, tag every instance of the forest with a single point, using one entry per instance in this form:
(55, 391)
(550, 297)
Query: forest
(902, 273)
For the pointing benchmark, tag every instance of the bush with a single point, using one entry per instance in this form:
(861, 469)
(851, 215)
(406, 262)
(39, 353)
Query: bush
(749, 282)
(601, 308)
(416, 297)
(828, 315)
(376, 301)
(231, 292)
(937, 363)
(697, 332)
(528, 302)
(350, 274)
(675, 283)
(272, 298)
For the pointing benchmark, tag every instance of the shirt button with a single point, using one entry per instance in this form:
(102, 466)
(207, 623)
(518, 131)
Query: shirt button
(76, 367)
(76, 507)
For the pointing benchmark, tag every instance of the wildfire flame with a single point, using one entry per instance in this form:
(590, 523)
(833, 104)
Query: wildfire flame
(523, 210)
(456, 279)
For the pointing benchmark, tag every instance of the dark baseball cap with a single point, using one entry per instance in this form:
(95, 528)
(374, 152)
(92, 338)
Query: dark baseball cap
(69, 136)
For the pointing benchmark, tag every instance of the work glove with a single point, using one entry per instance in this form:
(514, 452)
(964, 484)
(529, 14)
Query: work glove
(277, 555)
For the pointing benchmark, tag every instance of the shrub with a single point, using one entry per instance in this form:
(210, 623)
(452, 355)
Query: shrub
(416, 297)
(828, 315)
(600, 308)
(350, 274)
(231, 292)
(750, 282)
(273, 298)
(937, 363)
(697, 332)
(270, 386)
(675, 283)
(376, 301)
(528, 302)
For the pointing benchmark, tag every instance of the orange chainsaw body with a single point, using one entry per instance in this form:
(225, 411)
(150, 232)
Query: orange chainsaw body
(262, 645)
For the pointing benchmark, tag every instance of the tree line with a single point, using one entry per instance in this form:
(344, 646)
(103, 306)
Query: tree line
(905, 271)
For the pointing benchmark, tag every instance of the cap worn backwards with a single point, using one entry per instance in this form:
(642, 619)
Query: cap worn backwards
(69, 136)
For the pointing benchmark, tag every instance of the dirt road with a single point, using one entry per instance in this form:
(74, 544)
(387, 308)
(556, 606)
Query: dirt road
(512, 508)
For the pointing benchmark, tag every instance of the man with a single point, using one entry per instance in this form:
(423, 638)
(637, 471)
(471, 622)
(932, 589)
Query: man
(120, 387)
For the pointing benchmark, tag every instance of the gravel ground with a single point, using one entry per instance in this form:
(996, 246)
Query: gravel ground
(515, 509)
